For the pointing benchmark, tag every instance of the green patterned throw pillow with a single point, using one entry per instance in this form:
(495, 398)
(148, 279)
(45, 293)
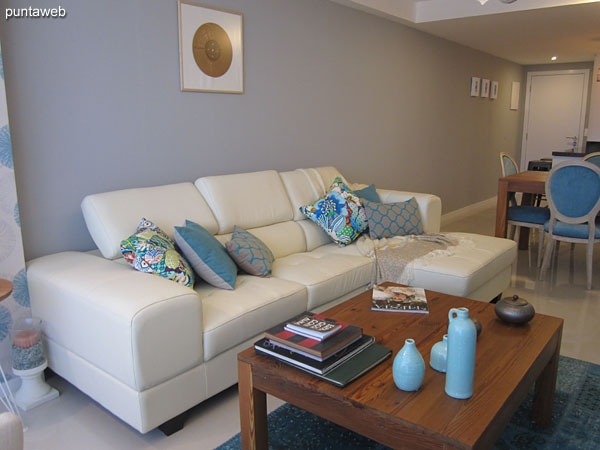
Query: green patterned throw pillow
(393, 219)
(150, 250)
(250, 253)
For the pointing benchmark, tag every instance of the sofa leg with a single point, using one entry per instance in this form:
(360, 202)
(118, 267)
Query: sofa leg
(496, 298)
(173, 425)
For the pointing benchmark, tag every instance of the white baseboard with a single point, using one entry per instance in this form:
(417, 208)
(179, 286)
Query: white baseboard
(462, 213)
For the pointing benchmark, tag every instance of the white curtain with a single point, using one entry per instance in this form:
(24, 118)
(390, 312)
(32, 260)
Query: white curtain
(12, 262)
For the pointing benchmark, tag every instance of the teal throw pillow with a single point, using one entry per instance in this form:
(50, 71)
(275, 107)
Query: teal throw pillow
(250, 253)
(150, 250)
(369, 193)
(207, 255)
(393, 219)
(340, 213)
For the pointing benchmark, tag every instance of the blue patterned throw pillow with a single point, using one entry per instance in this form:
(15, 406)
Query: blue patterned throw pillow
(250, 253)
(150, 250)
(393, 219)
(340, 213)
(207, 255)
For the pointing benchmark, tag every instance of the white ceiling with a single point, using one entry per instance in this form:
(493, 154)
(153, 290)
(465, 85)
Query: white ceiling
(526, 31)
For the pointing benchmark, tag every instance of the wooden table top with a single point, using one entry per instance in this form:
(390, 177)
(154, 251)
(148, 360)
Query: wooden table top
(508, 360)
(6, 288)
(532, 181)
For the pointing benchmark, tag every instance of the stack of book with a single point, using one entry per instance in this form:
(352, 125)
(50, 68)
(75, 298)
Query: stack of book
(332, 350)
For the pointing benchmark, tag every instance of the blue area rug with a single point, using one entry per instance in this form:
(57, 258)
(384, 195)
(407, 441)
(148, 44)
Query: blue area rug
(575, 421)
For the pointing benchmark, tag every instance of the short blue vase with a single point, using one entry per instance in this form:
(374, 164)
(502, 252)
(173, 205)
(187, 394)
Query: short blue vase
(409, 367)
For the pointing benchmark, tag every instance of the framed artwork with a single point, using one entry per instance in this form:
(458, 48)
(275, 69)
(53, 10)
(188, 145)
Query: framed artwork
(211, 54)
(494, 90)
(485, 88)
(475, 82)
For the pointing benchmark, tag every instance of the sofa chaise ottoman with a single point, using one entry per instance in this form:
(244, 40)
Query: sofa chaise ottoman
(148, 349)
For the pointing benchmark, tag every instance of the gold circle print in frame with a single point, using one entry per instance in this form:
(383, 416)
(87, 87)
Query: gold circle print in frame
(210, 49)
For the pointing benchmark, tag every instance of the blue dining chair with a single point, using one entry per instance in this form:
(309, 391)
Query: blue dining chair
(520, 215)
(573, 194)
(593, 158)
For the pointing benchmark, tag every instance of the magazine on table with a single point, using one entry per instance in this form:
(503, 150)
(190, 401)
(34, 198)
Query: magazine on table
(399, 299)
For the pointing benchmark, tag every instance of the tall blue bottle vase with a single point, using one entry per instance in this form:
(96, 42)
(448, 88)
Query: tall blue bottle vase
(462, 339)
(408, 367)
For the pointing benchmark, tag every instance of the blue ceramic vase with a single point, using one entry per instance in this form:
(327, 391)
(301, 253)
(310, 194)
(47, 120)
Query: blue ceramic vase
(439, 355)
(460, 369)
(409, 367)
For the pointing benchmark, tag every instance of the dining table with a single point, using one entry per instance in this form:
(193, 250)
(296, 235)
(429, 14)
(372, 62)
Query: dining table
(529, 183)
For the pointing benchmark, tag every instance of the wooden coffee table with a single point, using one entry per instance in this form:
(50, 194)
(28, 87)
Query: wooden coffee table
(509, 360)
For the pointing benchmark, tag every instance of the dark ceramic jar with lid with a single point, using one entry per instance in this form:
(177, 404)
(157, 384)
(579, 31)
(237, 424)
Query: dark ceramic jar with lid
(514, 310)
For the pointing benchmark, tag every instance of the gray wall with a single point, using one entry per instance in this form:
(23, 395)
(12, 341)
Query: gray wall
(95, 105)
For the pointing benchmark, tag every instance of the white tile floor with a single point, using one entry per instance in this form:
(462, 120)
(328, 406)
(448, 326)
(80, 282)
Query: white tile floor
(74, 422)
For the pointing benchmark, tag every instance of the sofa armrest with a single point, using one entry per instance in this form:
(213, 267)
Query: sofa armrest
(430, 206)
(132, 325)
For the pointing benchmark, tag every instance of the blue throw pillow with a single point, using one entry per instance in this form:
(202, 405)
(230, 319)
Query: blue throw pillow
(369, 193)
(393, 219)
(206, 254)
(250, 253)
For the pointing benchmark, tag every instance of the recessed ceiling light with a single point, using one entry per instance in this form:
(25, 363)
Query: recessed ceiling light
(553, 58)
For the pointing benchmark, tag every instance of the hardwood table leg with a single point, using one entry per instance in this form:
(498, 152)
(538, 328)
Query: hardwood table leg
(253, 411)
(527, 200)
(541, 412)
(501, 208)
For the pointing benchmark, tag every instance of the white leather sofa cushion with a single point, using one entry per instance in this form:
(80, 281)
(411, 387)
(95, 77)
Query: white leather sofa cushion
(231, 317)
(327, 176)
(282, 238)
(249, 200)
(303, 187)
(461, 273)
(113, 216)
(141, 329)
(326, 275)
(314, 234)
(469, 268)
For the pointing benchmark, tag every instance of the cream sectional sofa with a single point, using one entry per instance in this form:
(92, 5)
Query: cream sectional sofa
(148, 349)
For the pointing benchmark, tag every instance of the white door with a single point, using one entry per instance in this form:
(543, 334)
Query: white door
(555, 106)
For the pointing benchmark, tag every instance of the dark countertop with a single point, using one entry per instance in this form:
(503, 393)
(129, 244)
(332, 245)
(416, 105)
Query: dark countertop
(573, 154)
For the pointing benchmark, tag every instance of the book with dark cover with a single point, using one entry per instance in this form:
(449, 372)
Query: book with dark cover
(265, 347)
(356, 366)
(399, 299)
(308, 355)
(314, 326)
(320, 349)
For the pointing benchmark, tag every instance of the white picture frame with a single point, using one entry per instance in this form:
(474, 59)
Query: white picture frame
(211, 53)
(485, 88)
(475, 84)
(494, 90)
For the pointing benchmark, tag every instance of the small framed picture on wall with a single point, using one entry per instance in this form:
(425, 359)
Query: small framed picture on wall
(494, 90)
(475, 83)
(485, 88)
